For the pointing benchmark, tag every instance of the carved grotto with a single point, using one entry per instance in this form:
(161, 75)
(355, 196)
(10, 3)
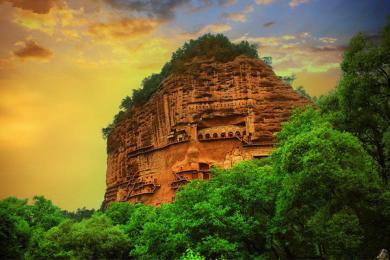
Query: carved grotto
(220, 115)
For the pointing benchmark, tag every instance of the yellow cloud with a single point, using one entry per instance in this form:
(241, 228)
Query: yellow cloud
(328, 39)
(30, 49)
(236, 16)
(36, 6)
(239, 16)
(295, 3)
(209, 28)
(124, 28)
(35, 21)
(264, 2)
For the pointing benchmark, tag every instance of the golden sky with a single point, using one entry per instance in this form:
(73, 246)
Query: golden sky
(66, 64)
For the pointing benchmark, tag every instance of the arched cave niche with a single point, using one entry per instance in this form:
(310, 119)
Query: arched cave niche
(204, 166)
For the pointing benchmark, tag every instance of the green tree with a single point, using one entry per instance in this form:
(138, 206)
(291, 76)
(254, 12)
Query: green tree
(361, 102)
(94, 238)
(120, 212)
(302, 91)
(106, 131)
(44, 214)
(79, 214)
(191, 255)
(325, 203)
(14, 228)
(225, 217)
(22, 224)
(126, 103)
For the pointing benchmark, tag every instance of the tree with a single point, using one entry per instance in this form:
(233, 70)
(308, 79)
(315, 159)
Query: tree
(325, 203)
(302, 91)
(44, 214)
(191, 255)
(363, 96)
(107, 130)
(120, 212)
(22, 224)
(126, 103)
(94, 238)
(79, 214)
(14, 228)
(225, 217)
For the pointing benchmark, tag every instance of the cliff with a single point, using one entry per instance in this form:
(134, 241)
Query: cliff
(212, 113)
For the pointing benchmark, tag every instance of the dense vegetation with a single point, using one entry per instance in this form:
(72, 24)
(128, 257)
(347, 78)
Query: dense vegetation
(319, 195)
(322, 194)
(361, 102)
(216, 46)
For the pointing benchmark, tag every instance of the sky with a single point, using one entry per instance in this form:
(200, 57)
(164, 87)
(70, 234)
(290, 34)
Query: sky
(65, 65)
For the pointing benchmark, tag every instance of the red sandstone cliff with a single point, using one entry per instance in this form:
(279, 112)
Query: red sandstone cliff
(212, 114)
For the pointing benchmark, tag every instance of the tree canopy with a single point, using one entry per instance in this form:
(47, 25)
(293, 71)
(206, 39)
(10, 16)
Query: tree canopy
(318, 195)
(361, 102)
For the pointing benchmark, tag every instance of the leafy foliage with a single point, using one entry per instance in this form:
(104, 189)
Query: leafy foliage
(302, 91)
(329, 180)
(216, 46)
(316, 196)
(14, 228)
(20, 222)
(94, 238)
(79, 214)
(361, 102)
(191, 255)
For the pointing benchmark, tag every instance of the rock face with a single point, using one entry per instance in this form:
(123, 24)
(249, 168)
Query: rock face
(211, 114)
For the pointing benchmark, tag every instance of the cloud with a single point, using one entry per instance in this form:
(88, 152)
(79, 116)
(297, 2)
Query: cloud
(269, 24)
(328, 39)
(226, 2)
(248, 9)
(276, 41)
(294, 53)
(60, 20)
(124, 28)
(209, 28)
(36, 6)
(235, 16)
(34, 21)
(295, 3)
(30, 49)
(239, 16)
(329, 48)
(162, 10)
(215, 27)
(305, 35)
(265, 2)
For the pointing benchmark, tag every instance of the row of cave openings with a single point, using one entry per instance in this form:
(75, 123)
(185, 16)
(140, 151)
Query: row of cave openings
(222, 135)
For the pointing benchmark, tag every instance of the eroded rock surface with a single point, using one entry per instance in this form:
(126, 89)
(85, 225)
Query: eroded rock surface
(211, 114)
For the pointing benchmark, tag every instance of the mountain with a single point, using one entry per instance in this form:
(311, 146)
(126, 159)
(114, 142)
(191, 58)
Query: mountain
(210, 113)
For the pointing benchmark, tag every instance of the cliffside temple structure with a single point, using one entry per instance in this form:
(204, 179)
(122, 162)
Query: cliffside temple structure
(220, 115)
